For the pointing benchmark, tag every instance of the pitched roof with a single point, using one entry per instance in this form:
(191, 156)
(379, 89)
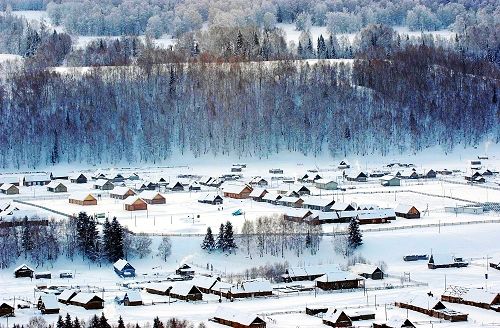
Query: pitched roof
(49, 301)
(66, 295)
(23, 266)
(257, 192)
(208, 197)
(479, 296)
(256, 285)
(132, 200)
(204, 282)
(182, 288)
(230, 314)
(339, 276)
(9, 179)
(120, 264)
(81, 196)
(316, 201)
(84, 298)
(54, 184)
(7, 186)
(37, 177)
(101, 182)
(314, 270)
(133, 296)
(271, 196)
(234, 188)
(361, 268)
(122, 191)
(403, 208)
(149, 194)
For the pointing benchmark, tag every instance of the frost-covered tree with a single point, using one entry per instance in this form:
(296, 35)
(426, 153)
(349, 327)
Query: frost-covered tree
(165, 248)
(208, 242)
(355, 236)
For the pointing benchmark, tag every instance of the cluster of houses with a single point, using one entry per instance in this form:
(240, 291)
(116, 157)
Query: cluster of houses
(131, 200)
(432, 307)
(86, 300)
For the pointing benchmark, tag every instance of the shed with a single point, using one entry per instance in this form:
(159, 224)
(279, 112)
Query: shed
(339, 280)
(47, 304)
(83, 199)
(120, 192)
(123, 268)
(9, 189)
(56, 186)
(23, 271)
(43, 275)
(132, 298)
(152, 197)
(237, 319)
(103, 184)
(135, 204)
(407, 211)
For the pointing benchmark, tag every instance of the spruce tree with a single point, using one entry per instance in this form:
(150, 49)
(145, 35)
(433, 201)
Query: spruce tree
(208, 242)
(76, 323)
(60, 322)
(67, 322)
(117, 240)
(26, 238)
(229, 242)
(107, 244)
(220, 245)
(355, 238)
(103, 322)
(308, 239)
(157, 323)
(121, 324)
(94, 322)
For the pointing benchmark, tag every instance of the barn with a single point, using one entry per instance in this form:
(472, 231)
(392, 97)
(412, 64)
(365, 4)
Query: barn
(135, 204)
(78, 178)
(234, 318)
(89, 301)
(237, 191)
(9, 189)
(121, 192)
(152, 197)
(103, 184)
(82, 199)
(23, 271)
(339, 280)
(56, 186)
(186, 291)
(47, 304)
(123, 268)
(407, 211)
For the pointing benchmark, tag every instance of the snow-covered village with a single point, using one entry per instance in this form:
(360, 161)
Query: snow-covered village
(249, 164)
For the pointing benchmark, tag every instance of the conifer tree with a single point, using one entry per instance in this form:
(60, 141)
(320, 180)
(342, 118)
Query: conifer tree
(208, 242)
(107, 240)
(121, 324)
(220, 245)
(76, 323)
(60, 322)
(355, 238)
(103, 322)
(67, 322)
(117, 240)
(229, 242)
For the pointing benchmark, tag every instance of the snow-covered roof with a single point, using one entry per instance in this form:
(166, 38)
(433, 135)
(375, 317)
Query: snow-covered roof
(162, 287)
(23, 266)
(339, 276)
(101, 182)
(81, 196)
(9, 179)
(287, 199)
(204, 282)
(297, 212)
(182, 288)
(120, 264)
(54, 184)
(66, 294)
(208, 197)
(325, 181)
(75, 176)
(312, 270)
(421, 301)
(443, 258)
(271, 196)
(403, 208)
(257, 192)
(317, 201)
(388, 177)
(230, 314)
(149, 194)
(133, 296)
(122, 191)
(84, 298)
(361, 268)
(6, 186)
(338, 206)
(376, 213)
(234, 188)
(332, 315)
(132, 200)
(49, 301)
(221, 285)
(36, 177)
(257, 285)
(479, 296)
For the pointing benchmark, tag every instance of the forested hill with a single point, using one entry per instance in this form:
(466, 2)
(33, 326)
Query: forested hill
(418, 97)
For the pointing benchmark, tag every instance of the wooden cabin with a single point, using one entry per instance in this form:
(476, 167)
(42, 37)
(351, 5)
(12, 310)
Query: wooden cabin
(237, 191)
(307, 273)
(121, 192)
(186, 291)
(337, 318)
(123, 268)
(326, 184)
(432, 307)
(204, 283)
(56, 186)
(159, 289)
(135, 204)
(66, 296)
(443, 261)
(395, 323)
(297, 215)
(47, 304)
(89, 301)
(78, 178)
(473, 297)
(103, 184)
(407, 211)
(358, 177)
(429, 174)
(43, 275)
(175, 186)
(23, 271)
(152, 197)
(12, 179)
(339, 280)
(390, 181)
(258, 181)
(291, 202)
(185, 270)
(343, 165)
(36, 179)
(132, 298)
(258, 194)
(367, 271)
(237, 319)
(82, 199)
(6, 310)
(212, 199)
(9, 189)
(318, 204)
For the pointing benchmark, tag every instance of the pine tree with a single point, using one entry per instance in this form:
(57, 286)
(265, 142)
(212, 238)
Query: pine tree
(67, 322)
(308, 240)
(220, 245)
(26, 238)
(121, 324)
(157, 323)
(229, 242)
(310, 49)
(94, 322)
(60, 322)
(107, 240)
(103, 322)
(355, 238)
(208, 242)
(76, 323)
(117, 240)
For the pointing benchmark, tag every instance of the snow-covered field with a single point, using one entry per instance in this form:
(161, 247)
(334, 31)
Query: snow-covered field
(187, 220)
